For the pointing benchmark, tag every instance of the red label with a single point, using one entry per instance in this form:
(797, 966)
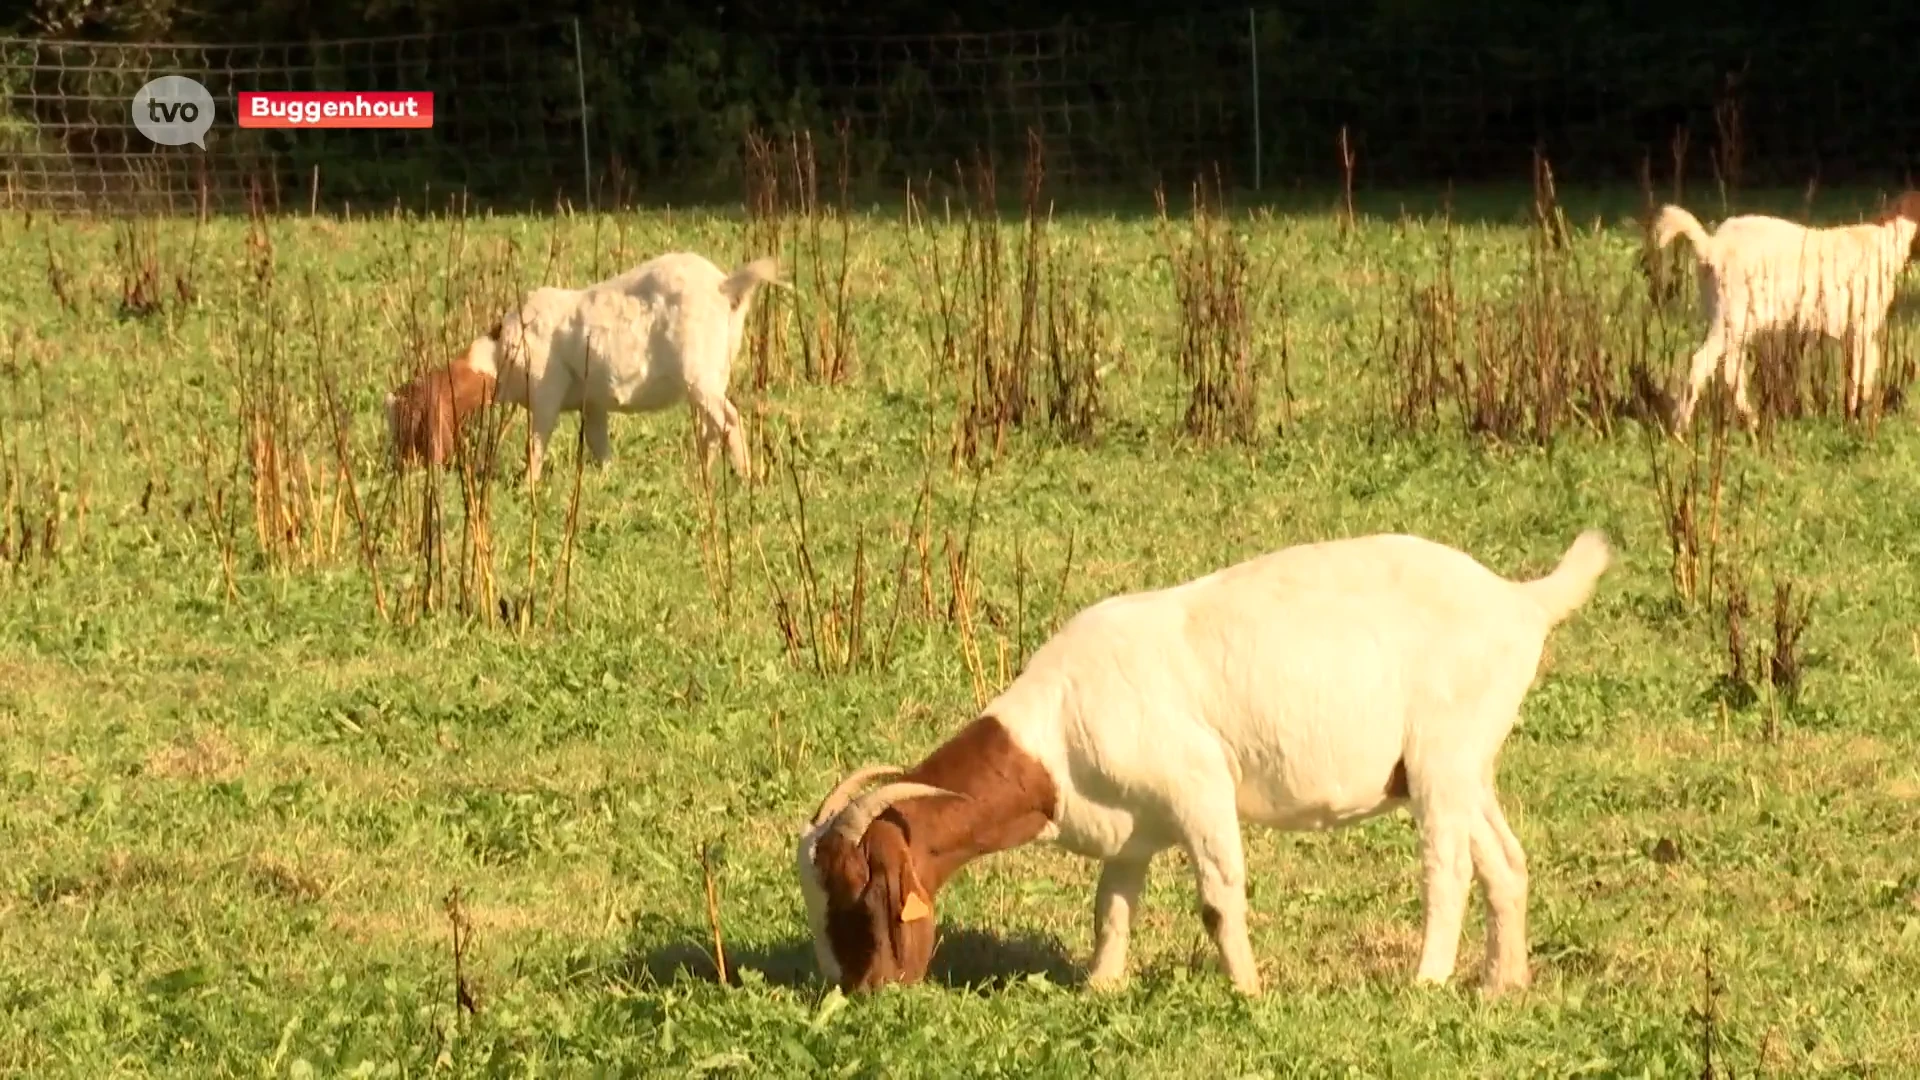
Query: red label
(289, 109)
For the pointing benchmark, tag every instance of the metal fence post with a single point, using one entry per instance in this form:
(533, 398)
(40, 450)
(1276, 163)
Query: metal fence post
(580, 82)
(1253, 51)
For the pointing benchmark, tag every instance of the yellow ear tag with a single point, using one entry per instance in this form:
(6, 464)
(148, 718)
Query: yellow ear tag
(914, 908)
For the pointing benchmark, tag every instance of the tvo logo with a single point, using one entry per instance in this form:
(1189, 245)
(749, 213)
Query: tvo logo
(174, 110)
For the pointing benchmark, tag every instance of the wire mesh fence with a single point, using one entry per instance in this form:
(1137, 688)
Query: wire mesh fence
(1263, 97)
(507, 118)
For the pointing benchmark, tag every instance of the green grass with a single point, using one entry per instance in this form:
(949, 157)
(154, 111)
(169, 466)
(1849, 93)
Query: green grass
(231, 817)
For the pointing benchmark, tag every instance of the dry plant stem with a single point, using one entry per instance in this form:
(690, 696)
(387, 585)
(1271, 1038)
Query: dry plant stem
(1284, 326)
(816, 359)
(572, 529)
(785, 213)
(1736, 609)
(34, 514)
(1066, 573)
(1694, 532)
(219, 519)
(713, 913)
(1730, 152)
(955, 609)
(1717, 469)
(464, 1000)
(809, 581)
(535, 486)
(1789, 626)
(1212, 288)
(710, 554)
(961, 583)
(834, 627)
(1708, 1014)
(766, 338)
(915, 537)
(1347, 219)
(978, 333)
(328, 392)
(477, 460)
(1548, 216)
(1019, 602)
(453, 253)
(716, 538)
(1522, 365)
(838, 326)
(1076, 341)
(784, 618)
(981, 252)
(857, 603)
(16, 537)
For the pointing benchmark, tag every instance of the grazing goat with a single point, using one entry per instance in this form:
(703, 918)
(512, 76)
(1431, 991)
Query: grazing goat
(1309, 688)
(664, 332)
(1759, 274)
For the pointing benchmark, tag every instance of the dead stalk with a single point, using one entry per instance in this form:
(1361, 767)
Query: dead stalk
(1215, 296)
(713, 911)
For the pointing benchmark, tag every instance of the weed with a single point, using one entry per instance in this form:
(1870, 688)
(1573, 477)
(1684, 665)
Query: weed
(38, 513)
(1348, 223)
(710, 854)
(1690, 503)
(1077, 351)
(785, 215)
(1523, 365)
(460, 929)
(1214, 291)
(1786, 660)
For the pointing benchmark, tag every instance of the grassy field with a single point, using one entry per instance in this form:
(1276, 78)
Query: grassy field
(254, 740)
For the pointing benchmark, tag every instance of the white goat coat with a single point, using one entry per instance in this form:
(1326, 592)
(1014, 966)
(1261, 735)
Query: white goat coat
(664, 332)
(1759, 273)
(1308, 688)
(1290, 684)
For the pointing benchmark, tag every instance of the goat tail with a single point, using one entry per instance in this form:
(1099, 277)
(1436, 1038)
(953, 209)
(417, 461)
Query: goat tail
(748, 276)
(1570, 585)
(1675, 221)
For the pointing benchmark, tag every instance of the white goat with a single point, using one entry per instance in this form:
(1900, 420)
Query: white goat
(1309, 688)
(1759, 274)
(665, 331)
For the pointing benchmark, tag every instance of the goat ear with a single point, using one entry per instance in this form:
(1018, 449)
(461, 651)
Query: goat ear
(913, 902)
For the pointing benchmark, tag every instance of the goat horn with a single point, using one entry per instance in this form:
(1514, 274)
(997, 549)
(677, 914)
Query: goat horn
(842, 792)
(853, 821)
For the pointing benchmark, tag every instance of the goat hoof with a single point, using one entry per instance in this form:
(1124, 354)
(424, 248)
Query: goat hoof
(1106, 982)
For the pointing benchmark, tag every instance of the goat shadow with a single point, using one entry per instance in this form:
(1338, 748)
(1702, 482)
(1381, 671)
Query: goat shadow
(965, 958)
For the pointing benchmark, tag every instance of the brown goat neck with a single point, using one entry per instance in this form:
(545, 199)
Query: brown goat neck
(1010, 799)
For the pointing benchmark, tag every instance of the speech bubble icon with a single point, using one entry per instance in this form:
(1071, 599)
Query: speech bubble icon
(174, 110)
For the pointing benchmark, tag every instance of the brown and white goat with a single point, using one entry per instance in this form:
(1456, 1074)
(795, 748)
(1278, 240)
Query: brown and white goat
(1761, 274)
(1309, 688)
(664, 332)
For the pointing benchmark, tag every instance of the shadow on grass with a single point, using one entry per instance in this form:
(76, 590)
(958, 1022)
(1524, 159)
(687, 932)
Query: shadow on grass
(965, 959)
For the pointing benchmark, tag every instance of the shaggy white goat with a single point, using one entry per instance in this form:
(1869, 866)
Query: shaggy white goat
(665, 331)
(1760, 274)
(1309, 688)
